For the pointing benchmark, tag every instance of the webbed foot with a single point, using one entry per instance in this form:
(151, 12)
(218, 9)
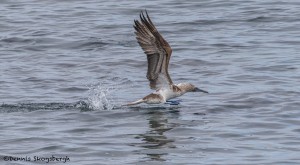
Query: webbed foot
(173, 102)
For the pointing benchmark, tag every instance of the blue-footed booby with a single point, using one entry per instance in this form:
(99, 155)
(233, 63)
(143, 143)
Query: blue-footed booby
(158, 53)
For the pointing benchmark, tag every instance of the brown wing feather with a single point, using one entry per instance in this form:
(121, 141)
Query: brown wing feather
(156, 48)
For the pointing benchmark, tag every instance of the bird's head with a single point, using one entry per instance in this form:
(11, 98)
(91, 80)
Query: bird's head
(188, 87)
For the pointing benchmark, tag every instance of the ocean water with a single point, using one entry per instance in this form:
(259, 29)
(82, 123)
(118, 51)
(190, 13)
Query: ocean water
(66, 67)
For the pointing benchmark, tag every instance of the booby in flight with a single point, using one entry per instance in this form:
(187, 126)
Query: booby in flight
(158, 53)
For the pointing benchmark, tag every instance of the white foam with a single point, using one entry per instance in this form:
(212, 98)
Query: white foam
(100, 97)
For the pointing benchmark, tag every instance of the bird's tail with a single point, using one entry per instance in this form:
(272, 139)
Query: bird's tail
(135, 102)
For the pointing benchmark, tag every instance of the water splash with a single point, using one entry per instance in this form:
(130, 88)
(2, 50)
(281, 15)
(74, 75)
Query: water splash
(105, 95)
(101, 97)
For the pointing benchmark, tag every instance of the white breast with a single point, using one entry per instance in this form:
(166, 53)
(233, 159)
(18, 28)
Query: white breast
(167, 93)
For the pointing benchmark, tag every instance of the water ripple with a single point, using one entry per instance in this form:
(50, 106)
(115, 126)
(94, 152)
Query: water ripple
(67, 67)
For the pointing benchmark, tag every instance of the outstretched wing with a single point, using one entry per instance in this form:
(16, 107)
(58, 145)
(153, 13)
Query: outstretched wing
(157, 49)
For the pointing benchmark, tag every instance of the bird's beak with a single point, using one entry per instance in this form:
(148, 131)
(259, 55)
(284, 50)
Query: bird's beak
(199, 90)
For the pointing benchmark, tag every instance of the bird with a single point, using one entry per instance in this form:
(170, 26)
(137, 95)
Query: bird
(158, 52)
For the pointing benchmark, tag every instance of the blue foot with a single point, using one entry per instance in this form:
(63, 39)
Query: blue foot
(173, 102)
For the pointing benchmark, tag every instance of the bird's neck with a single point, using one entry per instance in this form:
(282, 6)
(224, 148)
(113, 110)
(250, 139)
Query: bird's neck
(176, 89)
(179, 89)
